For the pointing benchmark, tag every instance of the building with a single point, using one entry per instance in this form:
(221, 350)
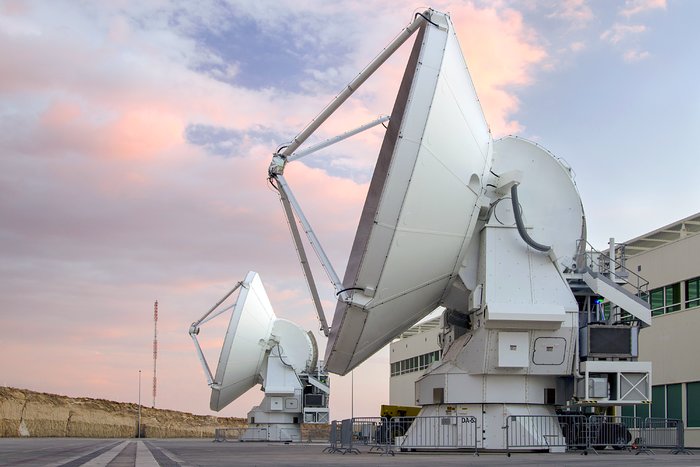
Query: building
(669, 259)
(410, 354)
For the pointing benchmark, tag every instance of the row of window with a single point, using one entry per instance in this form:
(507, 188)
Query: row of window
(666, 402)
(668, 298)
(412, 364)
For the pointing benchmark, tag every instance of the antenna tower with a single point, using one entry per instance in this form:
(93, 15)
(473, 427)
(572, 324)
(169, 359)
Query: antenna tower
(155, 348)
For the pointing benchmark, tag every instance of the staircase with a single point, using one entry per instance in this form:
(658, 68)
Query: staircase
(622, 299)
(608, 278)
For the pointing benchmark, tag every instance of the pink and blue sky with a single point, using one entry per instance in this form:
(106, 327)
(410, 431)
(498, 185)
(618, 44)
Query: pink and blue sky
(135, 138)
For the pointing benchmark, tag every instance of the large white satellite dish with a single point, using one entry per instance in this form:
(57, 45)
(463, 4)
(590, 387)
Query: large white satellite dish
(413, 231)
(245, 344)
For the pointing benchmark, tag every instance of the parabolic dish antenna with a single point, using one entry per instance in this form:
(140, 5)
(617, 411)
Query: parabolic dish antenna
(561, 224)
(422, 205)
(278, 354)
(299, 346)
(245, 344)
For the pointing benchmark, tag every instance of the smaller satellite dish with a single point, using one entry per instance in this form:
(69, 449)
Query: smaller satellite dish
(245, 344)
(277, 354)
(297, 346)
(560, 224)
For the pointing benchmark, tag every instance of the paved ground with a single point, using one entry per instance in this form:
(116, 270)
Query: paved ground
(55, 452)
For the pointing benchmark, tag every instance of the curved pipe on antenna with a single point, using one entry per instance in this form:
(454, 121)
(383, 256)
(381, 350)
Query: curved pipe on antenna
(517, 213)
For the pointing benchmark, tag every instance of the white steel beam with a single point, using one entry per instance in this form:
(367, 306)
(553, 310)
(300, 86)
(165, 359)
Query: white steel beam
(336, 139)
(311, 235)
(303, 260)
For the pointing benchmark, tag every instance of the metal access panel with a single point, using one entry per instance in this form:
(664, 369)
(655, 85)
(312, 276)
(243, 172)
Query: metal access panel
(276, 403)
(513, 349)
(594, 388)
(549, 351)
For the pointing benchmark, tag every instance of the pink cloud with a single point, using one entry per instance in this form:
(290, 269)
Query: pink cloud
(141, 131)
(502, 54)
(13, 7)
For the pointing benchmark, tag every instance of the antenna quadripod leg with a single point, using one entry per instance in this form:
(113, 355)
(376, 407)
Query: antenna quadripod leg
(303, 259)
(194, 331)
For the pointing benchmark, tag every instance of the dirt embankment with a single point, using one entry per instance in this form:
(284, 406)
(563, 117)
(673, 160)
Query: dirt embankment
(29, 413)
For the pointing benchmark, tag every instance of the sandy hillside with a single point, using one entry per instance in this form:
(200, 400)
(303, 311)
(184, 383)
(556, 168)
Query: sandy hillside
(29, 413)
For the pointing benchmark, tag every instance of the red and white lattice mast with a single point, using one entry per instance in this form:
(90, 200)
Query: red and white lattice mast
(155, 348)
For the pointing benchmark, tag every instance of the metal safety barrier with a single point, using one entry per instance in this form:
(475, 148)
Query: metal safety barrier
(592, 433)
(372, 432)
(346, 437)
(545, 432)
(522, 433)
(662, 433)
(333, 437)
(619, 432)
(358, 432)
(434, 432)
(227, 434)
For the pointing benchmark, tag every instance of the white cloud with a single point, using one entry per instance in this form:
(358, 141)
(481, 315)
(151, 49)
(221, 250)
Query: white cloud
(620, 32)
(577, 46)
(634, 7)
(577, 12)
(631, 56)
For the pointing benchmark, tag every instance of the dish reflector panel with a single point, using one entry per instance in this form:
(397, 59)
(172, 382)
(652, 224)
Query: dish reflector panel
(245, 344)
(421, 209)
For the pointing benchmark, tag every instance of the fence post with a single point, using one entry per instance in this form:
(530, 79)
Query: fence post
(332, 439)
(680, 440)
(646, 433)
(347, 435)
(507, 435)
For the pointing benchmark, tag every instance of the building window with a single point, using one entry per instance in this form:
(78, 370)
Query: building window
(628, 411)
(656, 301)
(666, 401)
(639, 410)
(673, 297)
(693, 400)
(658, 401)
(665, 299)
(409, 365)
(642, 410)
(673, 401)
(692, 293)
